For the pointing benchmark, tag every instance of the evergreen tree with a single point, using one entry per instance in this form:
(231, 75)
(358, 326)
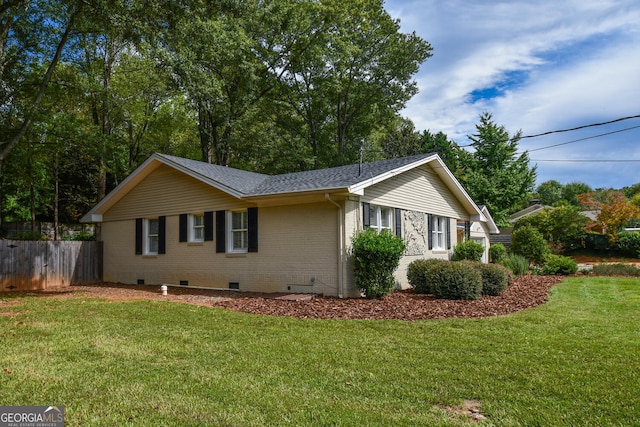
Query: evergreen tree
(496, 176)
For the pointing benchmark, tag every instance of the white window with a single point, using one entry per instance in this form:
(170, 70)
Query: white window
(380, 218)
(196, 225)
(239, 231)
(151, 232)
(438, 230)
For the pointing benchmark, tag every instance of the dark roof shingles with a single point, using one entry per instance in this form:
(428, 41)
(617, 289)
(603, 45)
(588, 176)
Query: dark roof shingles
(255, 184)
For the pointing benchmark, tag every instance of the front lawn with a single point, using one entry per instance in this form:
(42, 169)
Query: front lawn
(573, 361)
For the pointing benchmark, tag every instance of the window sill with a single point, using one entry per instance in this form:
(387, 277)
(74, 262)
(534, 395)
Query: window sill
(236, 255)
(195, 243)
(150, 256)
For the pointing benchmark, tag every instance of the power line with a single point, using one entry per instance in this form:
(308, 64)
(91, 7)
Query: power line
(582, 127)
(585, 160)
(564, 130)
(582, 139)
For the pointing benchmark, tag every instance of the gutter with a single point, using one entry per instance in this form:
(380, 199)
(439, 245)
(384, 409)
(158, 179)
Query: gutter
(327, 196)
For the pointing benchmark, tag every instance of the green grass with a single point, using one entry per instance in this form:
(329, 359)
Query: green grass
(574, 361)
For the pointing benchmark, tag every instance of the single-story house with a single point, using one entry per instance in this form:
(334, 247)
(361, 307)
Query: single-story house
(183, 222)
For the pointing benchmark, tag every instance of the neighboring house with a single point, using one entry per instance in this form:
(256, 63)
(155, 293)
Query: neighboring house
(480, 231)
(533, 208)
(183, 222)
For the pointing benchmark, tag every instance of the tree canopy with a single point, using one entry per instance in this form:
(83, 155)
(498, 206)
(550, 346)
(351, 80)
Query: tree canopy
(495, 175)
(89, 89)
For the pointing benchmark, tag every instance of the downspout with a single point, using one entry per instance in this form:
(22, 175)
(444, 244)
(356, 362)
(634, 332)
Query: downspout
(340, 244)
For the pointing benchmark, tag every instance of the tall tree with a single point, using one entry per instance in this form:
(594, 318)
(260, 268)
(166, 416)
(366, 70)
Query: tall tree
(572, 190)
(356, 76)
(33, 35)
(497, 176)
(549, 192)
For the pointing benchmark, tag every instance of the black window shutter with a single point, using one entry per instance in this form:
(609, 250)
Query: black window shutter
(366, 214)
(208, 226)
(467, 230)
(252, 219)
(220, 231)
(430, 230)
(398, 222)
(183, 228)
(138, 236)
(448, 231)
(162, 234)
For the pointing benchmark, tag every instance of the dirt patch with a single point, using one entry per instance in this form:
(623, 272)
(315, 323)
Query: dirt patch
(524, 292)
(469, 408)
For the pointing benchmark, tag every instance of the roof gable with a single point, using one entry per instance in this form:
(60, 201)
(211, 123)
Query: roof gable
(242, 184)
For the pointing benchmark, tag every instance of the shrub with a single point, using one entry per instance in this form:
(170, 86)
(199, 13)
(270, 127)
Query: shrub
(376, 256)
(495, 278)
(616, 270)
(455, 280)
(468, 250)
(497, 253)
(559, 265)
(31, 235)
(83, 236)
(528, 242)
(629, 243)
(518, 264)
(596, 242)
(416, 274)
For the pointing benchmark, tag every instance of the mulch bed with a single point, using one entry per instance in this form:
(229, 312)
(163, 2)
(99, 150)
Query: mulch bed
(523, 292)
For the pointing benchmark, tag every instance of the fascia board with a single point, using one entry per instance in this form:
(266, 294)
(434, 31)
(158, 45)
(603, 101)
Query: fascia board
(493, 228)
(122, 189)
(136, 177)
(454, 185)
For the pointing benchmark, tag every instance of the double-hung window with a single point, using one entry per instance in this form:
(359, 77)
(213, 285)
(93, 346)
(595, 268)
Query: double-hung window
(152, 234)
(239, 231)
(438, 230)
(381, 218)
(196, 225)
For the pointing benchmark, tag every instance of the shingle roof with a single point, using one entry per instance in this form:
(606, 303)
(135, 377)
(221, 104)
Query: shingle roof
(242, 184)
(238, 180)
(255, 184)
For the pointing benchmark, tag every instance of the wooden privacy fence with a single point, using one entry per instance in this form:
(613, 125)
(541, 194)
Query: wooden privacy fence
(31, 265)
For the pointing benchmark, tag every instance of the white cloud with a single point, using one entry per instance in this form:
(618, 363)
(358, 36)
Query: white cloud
(575, 62)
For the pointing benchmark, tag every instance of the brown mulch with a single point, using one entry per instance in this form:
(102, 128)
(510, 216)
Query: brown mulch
(523, 292)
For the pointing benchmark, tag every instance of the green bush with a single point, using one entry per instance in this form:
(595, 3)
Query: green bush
(376, 256)
(497, 253)
(495, 278)
(559, 265)
(455, 280)
(468, 250)
(416, 274)
(528, 242)
(629, 243)
(518, 264)
(83, 236)
(596, 242)
(30, 235)
(616, 270)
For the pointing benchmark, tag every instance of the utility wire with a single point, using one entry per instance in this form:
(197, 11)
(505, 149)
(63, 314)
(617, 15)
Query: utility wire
(563, 130)
(584, 160)
(581, 139)
(581, 127)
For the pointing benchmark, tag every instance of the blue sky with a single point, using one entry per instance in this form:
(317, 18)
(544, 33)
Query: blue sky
(537, 66)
